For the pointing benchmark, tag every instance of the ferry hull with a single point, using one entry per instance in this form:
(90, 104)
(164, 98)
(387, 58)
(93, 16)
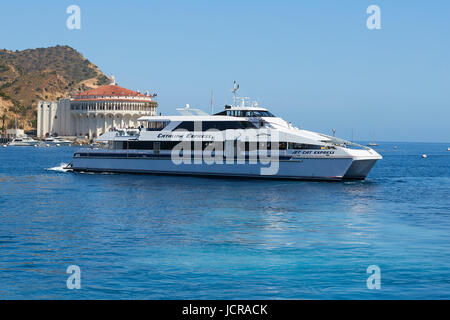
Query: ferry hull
(360, 169)
(308, 169)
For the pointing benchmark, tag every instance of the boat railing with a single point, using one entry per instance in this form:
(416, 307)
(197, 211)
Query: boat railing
(342, 142)
(126, 132)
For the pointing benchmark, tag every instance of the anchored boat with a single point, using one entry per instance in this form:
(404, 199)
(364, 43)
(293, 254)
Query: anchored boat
(24, 141)
(52, 141)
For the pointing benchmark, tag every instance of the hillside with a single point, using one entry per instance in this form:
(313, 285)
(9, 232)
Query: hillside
(41, 74)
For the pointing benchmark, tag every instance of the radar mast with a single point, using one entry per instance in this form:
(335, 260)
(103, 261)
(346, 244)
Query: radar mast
(234, 90)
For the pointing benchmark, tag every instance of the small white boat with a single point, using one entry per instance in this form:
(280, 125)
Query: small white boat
(424, 156)
(24, 141)
(52, 141)
(448, 149)
(373, 144)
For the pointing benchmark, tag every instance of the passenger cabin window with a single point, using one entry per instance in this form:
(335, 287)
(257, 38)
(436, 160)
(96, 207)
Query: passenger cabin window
(218, 125)
(297, 146)
(157, 146)
(156, 125)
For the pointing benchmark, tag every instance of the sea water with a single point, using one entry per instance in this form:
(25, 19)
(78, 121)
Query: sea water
(169, 237)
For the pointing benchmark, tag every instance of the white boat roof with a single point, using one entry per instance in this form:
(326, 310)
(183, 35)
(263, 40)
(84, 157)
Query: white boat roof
(191, 118)
(247, 108)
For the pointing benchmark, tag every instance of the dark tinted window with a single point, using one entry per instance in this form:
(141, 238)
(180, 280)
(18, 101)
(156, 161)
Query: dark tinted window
(218, 125)
(263, 114)
(186, 125)
(148, 145)
(145, 145)
(245, 113)
(157, 125)
(293, 145)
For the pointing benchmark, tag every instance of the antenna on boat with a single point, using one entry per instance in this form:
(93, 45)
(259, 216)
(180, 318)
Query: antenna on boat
(234, 90)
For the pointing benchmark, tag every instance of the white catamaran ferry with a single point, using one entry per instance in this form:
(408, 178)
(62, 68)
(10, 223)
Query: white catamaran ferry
(244, 140)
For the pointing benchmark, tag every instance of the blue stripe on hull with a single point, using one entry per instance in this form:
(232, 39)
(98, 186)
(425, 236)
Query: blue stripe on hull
(218, 175)
(312, 169)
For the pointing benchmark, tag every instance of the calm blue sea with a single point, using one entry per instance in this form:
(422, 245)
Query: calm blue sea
(162, 237)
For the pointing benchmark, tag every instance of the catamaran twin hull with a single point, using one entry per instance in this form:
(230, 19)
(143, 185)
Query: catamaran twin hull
(282, 167)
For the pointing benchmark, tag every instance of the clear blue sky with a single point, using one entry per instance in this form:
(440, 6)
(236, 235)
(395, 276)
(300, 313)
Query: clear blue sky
(314, 62)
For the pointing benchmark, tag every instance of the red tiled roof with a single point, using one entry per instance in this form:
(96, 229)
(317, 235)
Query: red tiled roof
(109, 90)
(115, 100)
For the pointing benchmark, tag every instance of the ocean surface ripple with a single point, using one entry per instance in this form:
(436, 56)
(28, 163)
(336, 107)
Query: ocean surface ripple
(164, 237)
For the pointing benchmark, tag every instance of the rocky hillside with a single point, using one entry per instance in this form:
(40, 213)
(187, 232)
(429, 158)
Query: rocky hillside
(41, 74)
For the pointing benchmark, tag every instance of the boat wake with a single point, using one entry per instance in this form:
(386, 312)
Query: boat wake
(63, 168)
(60, 168)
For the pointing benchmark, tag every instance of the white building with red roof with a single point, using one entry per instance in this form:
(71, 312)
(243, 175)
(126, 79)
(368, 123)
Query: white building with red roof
(93, 112)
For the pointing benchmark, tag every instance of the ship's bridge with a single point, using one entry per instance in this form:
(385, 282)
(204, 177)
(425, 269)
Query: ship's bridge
(248, 112)
(246, 108)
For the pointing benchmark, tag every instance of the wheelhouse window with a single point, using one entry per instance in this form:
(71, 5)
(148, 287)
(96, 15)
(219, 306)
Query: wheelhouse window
(245, 113)
(262, 114)
(249, 113)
